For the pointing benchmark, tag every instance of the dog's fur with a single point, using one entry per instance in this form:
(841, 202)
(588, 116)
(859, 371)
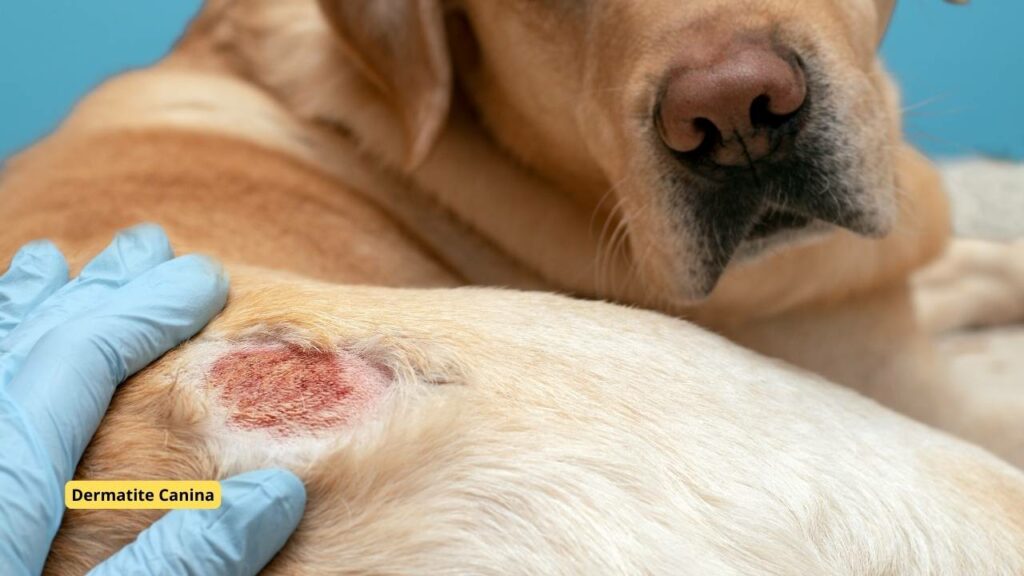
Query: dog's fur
(568, 436)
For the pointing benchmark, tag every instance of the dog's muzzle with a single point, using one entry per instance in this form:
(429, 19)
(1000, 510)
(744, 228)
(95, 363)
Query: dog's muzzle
(758, 156)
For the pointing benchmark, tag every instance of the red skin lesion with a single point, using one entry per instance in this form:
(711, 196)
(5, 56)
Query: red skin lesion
(286, 389)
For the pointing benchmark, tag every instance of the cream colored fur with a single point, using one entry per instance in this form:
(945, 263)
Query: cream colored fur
(529, 433)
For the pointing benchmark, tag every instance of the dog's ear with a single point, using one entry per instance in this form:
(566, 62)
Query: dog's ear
(401, 46)
(886, 8)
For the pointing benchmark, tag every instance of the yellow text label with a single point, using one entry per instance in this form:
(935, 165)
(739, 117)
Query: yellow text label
(142, 494)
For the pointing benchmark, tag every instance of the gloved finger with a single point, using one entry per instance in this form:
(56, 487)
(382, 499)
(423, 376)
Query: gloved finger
(65, 384)
(259, 511)
(132, 252)
(36, 272)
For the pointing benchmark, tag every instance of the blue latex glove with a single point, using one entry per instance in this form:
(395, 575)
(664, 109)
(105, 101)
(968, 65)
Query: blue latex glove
(64, 348)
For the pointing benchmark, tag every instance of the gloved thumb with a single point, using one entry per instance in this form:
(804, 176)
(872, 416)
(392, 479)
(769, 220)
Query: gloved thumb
(259, 511)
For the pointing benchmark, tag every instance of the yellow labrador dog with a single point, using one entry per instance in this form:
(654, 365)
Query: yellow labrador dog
(736, 163)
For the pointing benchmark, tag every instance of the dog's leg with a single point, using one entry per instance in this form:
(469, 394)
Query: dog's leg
(877, 347)
(974, 284)
(980, 284)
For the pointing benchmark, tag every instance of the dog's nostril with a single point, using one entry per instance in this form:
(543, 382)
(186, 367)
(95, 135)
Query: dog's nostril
(710, 136)
(684, 134)
(761, 114)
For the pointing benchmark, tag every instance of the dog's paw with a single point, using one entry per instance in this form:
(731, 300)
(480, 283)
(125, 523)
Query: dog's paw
(974, 284)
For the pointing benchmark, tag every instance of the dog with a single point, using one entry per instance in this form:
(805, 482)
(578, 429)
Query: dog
(737, 164)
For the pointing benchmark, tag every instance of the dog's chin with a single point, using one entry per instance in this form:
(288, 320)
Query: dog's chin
(772, 234)
(778, 233)
(748, 221)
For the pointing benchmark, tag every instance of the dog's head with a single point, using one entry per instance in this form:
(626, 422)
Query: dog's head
(708, 131)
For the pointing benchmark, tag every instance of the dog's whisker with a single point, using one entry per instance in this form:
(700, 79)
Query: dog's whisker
(618, 242)
(634, 270)
(602, 266)
(604, 198)
(925, 102)
(621, 88)
(936, 113)
(935, 138)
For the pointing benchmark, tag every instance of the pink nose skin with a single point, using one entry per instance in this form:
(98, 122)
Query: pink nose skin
(733, 106)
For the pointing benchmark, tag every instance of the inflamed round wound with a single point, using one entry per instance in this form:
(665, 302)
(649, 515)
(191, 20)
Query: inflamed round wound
(285, 389)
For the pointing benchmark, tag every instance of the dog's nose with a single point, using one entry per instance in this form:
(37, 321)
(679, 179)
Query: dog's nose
(731, 109)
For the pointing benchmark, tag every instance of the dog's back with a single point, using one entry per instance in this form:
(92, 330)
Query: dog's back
(135, 152)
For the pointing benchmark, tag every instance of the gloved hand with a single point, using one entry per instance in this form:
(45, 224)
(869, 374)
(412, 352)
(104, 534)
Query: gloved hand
(64, 348)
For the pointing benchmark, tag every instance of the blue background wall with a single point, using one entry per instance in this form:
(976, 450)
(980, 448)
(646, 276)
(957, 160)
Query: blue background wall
(962, 69)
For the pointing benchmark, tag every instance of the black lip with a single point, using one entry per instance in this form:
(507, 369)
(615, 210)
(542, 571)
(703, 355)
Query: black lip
(718, 217)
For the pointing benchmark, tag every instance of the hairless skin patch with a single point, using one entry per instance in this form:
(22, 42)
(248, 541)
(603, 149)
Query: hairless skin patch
(287, 390)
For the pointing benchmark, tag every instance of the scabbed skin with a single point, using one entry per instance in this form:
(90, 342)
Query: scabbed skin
(286, 389)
